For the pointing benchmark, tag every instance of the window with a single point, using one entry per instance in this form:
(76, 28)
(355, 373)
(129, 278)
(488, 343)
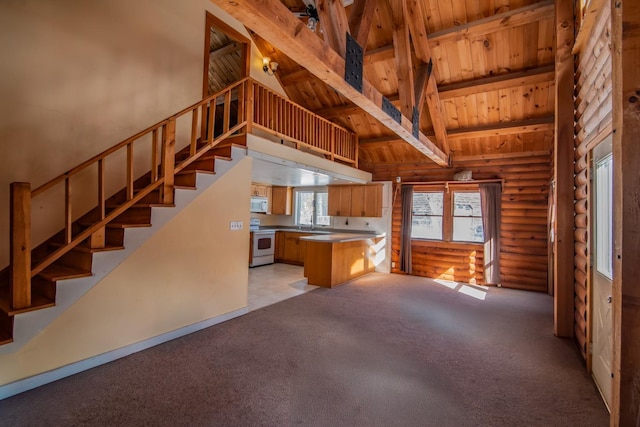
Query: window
(604, 217)
(447, 215)
(426, 222)
(311, 208)
(467, 217)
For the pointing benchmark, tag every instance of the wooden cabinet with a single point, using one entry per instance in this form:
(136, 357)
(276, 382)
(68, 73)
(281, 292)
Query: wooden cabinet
(355, 200)
(280, 203)
(339, 200)
(259, 190)
(289, 248)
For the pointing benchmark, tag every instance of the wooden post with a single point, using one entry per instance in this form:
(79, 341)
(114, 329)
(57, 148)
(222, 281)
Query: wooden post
(97, 239)
(249, 106)
(563, 171)
(168, 160)
(625, 408)
(20, 255)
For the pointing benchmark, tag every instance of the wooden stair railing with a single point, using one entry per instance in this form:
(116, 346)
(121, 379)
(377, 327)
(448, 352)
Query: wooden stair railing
(237, 109)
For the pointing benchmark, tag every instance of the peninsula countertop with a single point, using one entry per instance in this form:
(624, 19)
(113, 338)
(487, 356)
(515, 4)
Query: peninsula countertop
(341, 237)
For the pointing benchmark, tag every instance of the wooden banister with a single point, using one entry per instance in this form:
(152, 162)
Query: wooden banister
(20, 256)
(257, 107)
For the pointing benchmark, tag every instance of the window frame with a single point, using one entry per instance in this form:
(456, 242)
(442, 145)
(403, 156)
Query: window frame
(296, 211)
(454, 216)
(442, 215)
(447, 189)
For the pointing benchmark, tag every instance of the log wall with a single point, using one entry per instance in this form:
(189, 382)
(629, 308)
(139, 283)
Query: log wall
(593, 110)
(524, 225)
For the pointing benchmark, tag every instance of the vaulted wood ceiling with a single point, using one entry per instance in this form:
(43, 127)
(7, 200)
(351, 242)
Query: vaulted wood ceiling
(491, 89)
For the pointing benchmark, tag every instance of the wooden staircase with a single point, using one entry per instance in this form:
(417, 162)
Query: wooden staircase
(77, 262)
(214, 125)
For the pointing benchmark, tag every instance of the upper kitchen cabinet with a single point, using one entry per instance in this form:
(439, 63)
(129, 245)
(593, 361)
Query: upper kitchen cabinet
(281, 200)
(355, 200)
(259, 190)
(339, 203)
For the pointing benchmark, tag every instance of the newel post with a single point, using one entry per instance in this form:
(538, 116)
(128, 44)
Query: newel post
(168, 160)
(20, 241)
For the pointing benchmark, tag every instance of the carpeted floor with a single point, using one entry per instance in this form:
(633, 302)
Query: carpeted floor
(385, 350)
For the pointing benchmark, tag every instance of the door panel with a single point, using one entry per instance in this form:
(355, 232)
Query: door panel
(602, 232)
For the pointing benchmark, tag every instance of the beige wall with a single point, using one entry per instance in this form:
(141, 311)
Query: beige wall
(78, 76)
(191, 270)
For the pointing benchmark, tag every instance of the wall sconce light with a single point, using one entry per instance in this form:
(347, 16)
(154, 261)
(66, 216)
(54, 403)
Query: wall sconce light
(269, 66)
(313, 20)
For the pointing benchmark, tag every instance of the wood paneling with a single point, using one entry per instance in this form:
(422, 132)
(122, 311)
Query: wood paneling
(593, 99)
(524, 226)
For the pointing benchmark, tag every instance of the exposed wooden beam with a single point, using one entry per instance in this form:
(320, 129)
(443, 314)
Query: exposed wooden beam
(360, 20)
(625, 22)
(503, 81)
(513, 18)
(498, 156)
(426, 89)
(272, 21)
(380, 54)
(563, 280)
(350, 109)
(334, 23)
(380, 139)
(296, 77)
(507, 128)
(402, 50)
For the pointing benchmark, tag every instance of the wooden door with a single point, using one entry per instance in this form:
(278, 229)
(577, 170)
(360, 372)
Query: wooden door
(602, 232)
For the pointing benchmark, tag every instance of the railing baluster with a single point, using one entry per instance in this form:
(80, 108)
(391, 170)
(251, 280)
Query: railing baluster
(194, 131)
(20, 255)
(67, 210)
(101, 193)
(154, 155)
(211, 120)
(130, 171)
(168, 160)
(250, 105)
(227, 111)
(203, 122)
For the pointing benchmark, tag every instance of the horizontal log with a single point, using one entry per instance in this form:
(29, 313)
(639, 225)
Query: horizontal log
(580, 321)
(537, 287)
(579, 304)
(581, 164)
(521, 272)
(581, 192)
(541, 260)
(536, 228)
(544, 189)
(581, 249)
(532, 281)
(580, 262)
(582, 178)
(524, 235)
(529, 243)
(445, 262)
(539, 213)
(580, 277)
(523, 250)
(580, 290)
(581, 235)
(525, 205)
(523, 264)
(541, 198)
(520, 220)
(581, 220)
(581, 206)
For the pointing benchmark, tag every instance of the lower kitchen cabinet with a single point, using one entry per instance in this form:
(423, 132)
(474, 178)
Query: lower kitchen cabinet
(289, 248)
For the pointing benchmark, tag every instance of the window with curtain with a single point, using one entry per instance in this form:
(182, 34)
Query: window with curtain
(426, 221)
(467, 217)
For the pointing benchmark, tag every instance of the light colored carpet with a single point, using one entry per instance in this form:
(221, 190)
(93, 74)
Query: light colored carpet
(384, 350)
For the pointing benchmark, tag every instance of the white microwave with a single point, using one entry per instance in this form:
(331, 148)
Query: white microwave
(259, 204)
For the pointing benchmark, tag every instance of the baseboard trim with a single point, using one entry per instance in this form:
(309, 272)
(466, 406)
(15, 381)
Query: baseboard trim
(38, 380)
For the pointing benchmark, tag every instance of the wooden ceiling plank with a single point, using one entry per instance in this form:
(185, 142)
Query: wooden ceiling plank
(335, 25)
(504, 81)
(513, 18)
(360, 20)
(402, 50)
(428, 89)
(506, 128)
(273, 22)
(350, 109)
(224, 50)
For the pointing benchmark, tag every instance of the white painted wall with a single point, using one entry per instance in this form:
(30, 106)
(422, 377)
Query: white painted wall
(79, 76)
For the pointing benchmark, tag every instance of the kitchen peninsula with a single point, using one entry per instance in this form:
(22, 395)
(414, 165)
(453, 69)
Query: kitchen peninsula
(334, 259)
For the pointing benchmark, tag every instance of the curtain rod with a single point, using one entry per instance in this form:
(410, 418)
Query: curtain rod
(475, 181)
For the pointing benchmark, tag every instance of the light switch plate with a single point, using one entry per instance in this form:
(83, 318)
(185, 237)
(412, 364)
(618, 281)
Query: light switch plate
(235, 225)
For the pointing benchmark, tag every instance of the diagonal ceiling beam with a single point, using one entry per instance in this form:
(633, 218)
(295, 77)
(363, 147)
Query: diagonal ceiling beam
(402, 49)
(335, 25)
(429, 88)
(501, 21)
(273, 22)
(360, 20)
(504, 81)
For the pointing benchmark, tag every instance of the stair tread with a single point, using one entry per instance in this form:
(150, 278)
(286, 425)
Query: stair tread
(37, 302)
(189, 171)
(85, 248)
(56, 272)
(144, 205)
(128, 225)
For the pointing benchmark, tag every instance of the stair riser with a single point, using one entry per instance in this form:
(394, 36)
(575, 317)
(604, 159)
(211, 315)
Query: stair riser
(6, 328)
(186, 180)
(201, 165)
(135, 215)
(82, 260)
(43, 287)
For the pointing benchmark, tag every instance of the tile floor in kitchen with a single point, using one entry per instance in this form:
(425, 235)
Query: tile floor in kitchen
(269, 284)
